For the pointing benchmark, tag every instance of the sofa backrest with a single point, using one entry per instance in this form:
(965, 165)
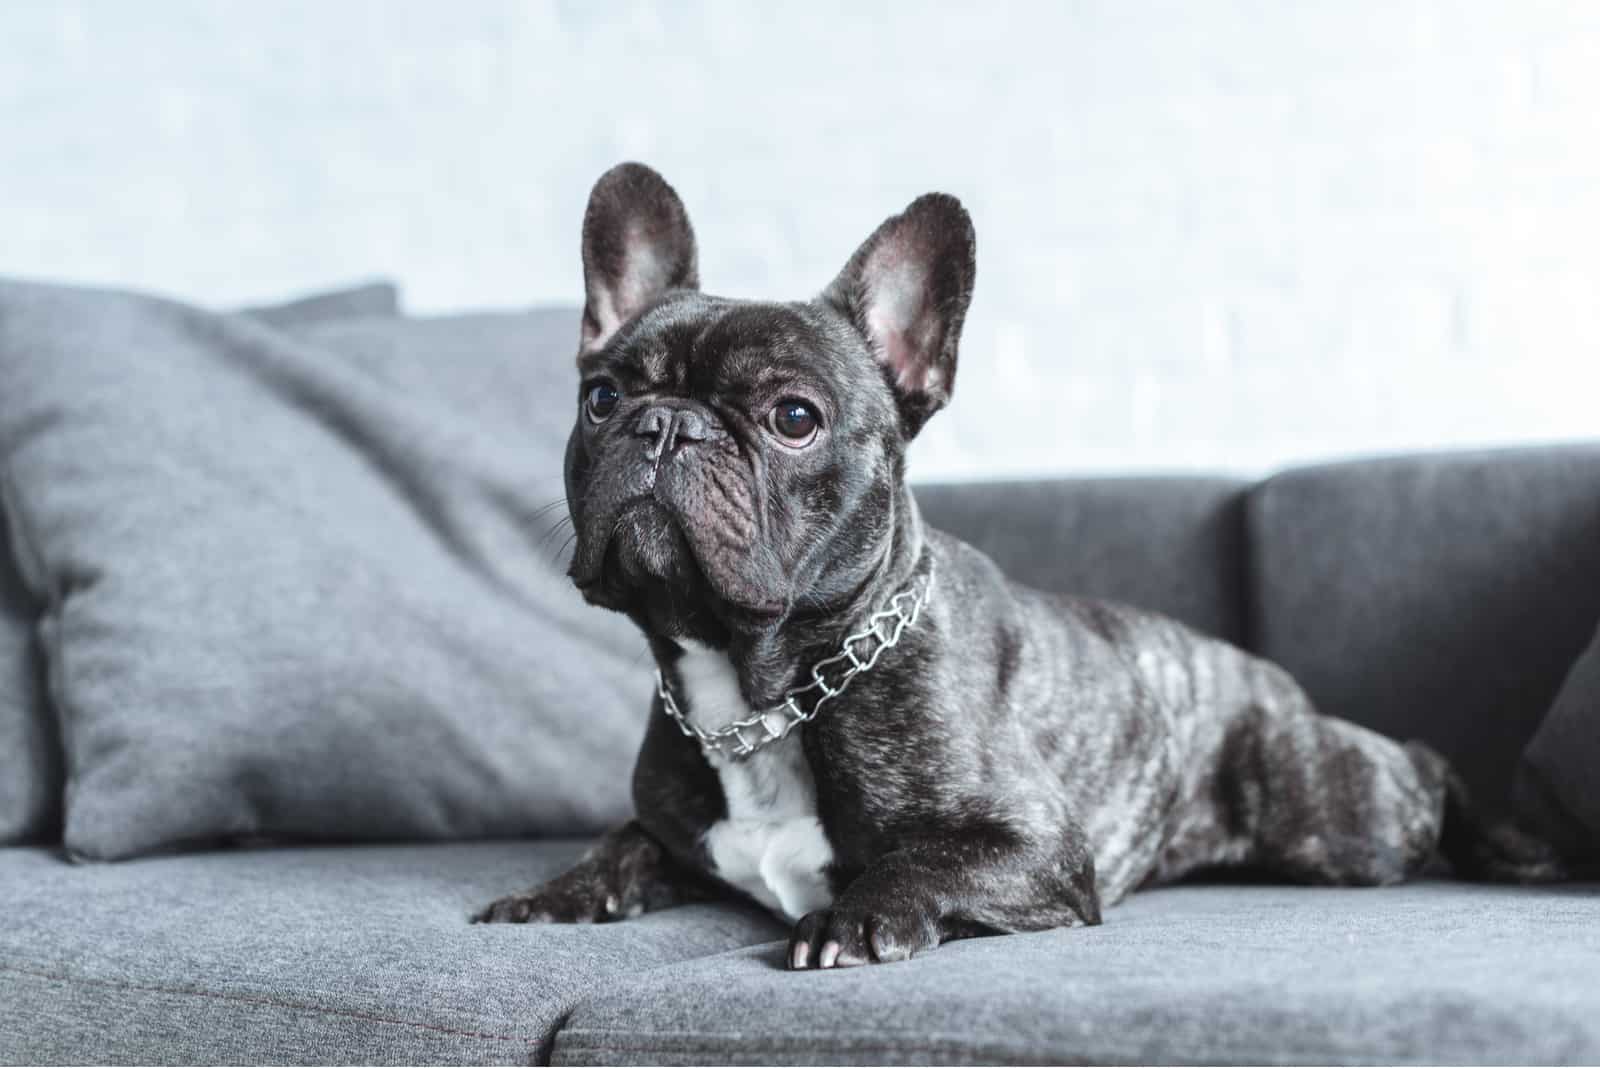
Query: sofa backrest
(1440, 597)
(1175, 545)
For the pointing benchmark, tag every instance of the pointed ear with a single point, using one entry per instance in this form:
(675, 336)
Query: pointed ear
(906, 290)
(637, 245)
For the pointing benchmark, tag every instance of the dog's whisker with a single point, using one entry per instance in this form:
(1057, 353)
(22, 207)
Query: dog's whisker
(546, 509)
(554, 529)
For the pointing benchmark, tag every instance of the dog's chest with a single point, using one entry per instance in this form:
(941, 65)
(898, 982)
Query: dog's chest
(771, 845)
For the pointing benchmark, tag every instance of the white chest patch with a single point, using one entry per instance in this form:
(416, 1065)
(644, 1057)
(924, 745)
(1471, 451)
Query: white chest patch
(771, 845)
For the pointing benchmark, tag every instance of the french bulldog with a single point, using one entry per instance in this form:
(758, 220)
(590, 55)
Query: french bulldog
(860, 723)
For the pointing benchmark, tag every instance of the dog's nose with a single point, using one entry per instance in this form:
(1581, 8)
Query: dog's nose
(667, 425)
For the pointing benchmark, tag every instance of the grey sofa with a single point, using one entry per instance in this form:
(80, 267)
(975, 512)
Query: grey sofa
(1441, 597)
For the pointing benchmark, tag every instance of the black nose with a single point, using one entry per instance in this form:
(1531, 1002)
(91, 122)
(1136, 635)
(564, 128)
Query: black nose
(667, 425)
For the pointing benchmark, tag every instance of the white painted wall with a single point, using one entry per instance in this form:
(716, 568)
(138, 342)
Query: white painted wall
(1214, 234)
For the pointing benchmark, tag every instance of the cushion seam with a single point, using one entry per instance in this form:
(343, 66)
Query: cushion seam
(1251, 579)
(255, 999)
(24, 543)
(724, 1043)
(583, 998)
(50, 702)
(700, 1040)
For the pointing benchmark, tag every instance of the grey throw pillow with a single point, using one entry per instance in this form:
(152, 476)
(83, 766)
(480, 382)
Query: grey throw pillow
(1558, 782)
(379, 300)
(298, 585)
(30, 751)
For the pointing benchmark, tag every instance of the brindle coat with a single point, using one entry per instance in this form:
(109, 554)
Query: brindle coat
(1020, 760)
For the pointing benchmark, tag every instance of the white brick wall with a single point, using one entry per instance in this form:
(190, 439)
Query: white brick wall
(1213, 234)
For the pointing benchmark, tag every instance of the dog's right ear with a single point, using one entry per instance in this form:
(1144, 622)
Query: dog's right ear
(637, 245)
(907, 290)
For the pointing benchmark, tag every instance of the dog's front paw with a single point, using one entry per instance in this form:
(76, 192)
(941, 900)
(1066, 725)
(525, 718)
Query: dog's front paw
(847, 935)
(564, 900)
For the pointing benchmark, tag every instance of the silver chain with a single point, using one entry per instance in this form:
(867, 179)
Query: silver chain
(884, 627)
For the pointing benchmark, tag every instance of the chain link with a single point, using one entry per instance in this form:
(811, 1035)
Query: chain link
(884, 627)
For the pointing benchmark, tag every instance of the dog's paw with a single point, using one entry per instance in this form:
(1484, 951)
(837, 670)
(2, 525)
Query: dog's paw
(555, 903)
(845, 936)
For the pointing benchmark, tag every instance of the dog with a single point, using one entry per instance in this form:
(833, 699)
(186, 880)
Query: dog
(860, 723)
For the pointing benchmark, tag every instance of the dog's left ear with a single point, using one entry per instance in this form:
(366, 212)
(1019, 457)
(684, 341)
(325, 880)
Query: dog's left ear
(637, 245)
(906, 290)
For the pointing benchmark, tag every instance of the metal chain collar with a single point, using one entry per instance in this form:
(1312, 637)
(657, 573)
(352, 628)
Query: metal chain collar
(883, 628)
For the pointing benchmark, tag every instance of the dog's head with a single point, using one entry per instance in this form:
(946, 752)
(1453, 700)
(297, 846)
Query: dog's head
(734, 462)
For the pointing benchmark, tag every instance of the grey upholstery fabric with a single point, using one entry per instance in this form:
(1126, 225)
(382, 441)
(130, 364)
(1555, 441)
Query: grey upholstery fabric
(30, 752)
(1431, 972)
(1558, 782)
(1437, 597)
(1174, 545)
(310, 955)
(31, 773)
(372, 300)
(362, 954)
(299, 585)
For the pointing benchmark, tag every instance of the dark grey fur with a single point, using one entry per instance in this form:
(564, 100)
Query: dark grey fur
(1020, 760)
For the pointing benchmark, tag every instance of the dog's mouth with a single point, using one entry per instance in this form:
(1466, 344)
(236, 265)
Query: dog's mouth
(640, 543)
(646, 556)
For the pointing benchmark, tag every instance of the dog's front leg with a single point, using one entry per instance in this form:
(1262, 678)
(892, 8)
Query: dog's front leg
(951, 884)
(625, 874)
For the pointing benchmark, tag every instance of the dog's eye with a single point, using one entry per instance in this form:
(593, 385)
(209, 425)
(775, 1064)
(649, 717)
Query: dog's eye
(794, 422)
(601, 400)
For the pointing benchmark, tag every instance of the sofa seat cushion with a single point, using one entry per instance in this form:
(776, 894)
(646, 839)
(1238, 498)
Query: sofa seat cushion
(310, 955)
(1437, 972)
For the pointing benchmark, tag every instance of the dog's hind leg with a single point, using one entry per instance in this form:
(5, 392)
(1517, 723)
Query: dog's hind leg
(1326, 801)
(1323, 800)
(1480, 848)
